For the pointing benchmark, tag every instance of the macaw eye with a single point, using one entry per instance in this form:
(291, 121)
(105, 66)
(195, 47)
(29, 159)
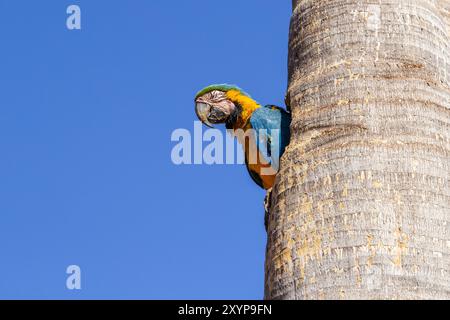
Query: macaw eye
(217, 96)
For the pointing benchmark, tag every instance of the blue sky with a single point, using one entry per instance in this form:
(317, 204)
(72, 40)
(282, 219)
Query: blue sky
(86, 176)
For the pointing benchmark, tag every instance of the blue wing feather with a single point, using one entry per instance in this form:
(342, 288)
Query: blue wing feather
(264, 121)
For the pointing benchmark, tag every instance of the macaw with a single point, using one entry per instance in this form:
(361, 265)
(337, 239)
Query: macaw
(270, 134)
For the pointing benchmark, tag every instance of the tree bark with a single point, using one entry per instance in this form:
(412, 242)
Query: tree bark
(361, 205)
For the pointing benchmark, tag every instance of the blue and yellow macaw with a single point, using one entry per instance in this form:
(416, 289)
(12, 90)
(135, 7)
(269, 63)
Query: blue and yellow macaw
(270, 136)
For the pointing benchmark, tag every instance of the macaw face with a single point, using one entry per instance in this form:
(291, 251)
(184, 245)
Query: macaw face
(214, 107)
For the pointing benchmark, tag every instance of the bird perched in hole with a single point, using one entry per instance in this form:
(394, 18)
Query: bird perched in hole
(270, 134)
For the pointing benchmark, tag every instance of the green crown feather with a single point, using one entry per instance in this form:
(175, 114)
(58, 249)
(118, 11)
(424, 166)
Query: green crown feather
(220, 87)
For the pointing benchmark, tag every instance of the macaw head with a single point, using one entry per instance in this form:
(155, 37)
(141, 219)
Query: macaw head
(224, 103)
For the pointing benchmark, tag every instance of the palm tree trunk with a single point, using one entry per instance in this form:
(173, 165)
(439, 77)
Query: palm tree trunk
(361, 206)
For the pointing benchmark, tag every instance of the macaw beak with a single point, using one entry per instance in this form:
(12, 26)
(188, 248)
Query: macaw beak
(203, 110)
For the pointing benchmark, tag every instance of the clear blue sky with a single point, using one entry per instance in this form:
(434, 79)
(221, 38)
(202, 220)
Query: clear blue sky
(86, 176)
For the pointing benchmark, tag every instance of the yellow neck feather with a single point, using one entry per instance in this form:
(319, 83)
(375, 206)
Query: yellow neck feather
(248, 106)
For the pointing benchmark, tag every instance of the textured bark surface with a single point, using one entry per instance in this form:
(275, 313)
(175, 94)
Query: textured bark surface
(361, 206)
